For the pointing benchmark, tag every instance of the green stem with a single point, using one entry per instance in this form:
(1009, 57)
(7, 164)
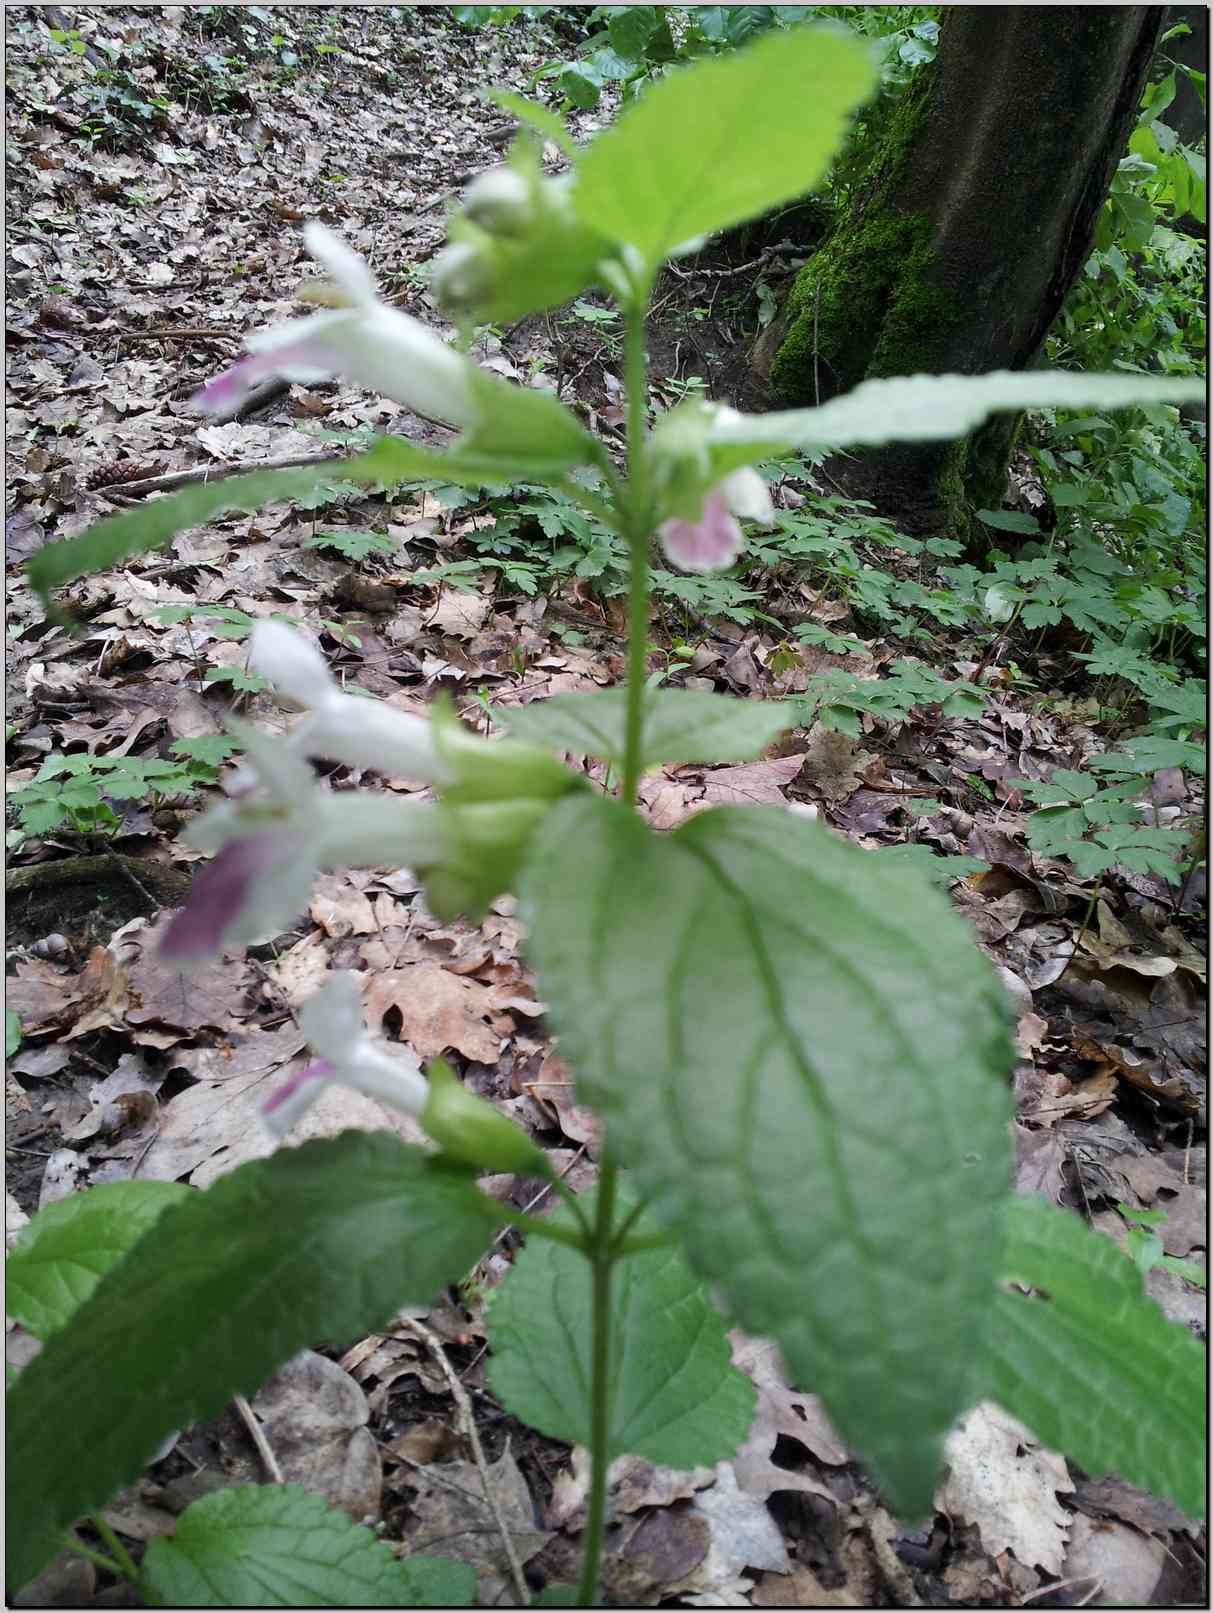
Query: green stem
(638, 535)
(603, 1259)
(534, 1225)
(122, 1557)
(94, 1557)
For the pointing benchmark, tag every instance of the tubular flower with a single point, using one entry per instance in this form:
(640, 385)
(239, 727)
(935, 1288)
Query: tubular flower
(342, 727)
(274, 837)
(332, 1023)
(366, 342)
(500, 202)
(714, 540)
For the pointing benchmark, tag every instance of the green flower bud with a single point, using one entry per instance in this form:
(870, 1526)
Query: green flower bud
(470, 1130)
(485, 770)
(501, 202)
(464, 275)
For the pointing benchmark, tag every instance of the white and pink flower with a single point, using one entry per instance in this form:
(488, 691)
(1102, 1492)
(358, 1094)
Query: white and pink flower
(332, 1022)
(715, 540)
(366, 342)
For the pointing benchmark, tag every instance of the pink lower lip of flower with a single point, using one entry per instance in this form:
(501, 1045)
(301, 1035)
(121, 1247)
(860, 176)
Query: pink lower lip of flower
(320, 1070)
(217, 898)
(228, 390)
(709, 544)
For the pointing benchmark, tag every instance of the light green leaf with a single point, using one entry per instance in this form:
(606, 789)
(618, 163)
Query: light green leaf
(323, 1241)
(675, 1396)
(542, 119)
(67, 1248)
(926, 408)
(801, 1056)
(275, 1545)
(12, 1032)
(681, 725)
(525, 433)
(723, 141)
(1090, 1363)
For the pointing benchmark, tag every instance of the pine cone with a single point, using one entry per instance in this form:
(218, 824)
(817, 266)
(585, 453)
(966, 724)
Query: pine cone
(124, 470)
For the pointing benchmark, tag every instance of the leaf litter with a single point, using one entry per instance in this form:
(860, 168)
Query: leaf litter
(129, 1070)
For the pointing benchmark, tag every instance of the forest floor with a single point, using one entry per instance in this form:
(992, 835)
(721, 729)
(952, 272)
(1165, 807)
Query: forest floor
(154, 218)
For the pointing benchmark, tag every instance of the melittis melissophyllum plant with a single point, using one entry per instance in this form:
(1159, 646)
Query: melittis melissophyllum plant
(798, 1053)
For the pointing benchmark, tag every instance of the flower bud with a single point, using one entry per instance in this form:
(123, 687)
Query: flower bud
(500, 202)
(463, 275)
(486, 770)
(470, 1130)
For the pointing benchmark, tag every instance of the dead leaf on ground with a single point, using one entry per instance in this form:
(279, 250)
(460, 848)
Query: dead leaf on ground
(752, 784)
(1000, 1479)
(438, 1011)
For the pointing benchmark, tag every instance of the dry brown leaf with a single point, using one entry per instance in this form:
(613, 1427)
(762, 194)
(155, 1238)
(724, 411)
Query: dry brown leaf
(1000, 1479)
(752, 784)
(341, 907)
(438, 1011)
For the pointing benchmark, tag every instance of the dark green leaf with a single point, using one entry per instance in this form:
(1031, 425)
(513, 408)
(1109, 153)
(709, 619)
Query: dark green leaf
(681, 725)
(675, 1396)
(801, 1056)
(322, 1241)
(1009, 521)
(275, 1545)
(67, 1248)
(1089, 1362)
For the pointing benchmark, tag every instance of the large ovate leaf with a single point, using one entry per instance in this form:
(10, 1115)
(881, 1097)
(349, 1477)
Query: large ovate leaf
(801, 1056)
(675, 1396)
(724, 141)
(323, 1241)
(277, 1546)
(680, 725)
(1089, 1362)
(64, 1252)
(118, 537)
(924, 408)
(525, 433)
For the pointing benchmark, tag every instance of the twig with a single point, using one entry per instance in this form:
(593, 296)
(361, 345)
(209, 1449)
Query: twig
(468, 1421)
(179, 333)
(1058, 1585)
(257, 1434)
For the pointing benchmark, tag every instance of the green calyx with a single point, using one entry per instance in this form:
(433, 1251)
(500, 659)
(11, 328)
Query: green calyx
(471, 1131)
(484, 771)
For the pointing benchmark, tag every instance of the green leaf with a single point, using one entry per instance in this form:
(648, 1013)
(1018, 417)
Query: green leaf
(1010, 521)
(64, 1252)
(801, 1056)
(12, 1036)
(1090, 1364)
(134, 532)
(927, 408)
(354, 545)
(675, 1396)
(542, 119)
(629, 28)
(724, 140)
(274, 1545)
(681, 725)
(323, 1241)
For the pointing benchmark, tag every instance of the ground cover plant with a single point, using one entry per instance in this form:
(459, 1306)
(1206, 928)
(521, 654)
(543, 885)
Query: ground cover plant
(791, 1058)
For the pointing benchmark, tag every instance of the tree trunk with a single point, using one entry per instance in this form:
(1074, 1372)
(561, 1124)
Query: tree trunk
(972, 222)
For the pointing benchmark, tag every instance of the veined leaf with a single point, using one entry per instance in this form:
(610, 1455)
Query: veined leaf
(801, 1056)
(675, 1396)
(274, 1545)
(681, 725)
(926, 408)
(1090, 1363)
(724, 140)
(64, 1252)
(323, 1241)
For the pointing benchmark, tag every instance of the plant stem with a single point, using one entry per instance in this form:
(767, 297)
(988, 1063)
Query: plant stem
(534, 1225)
(94, 1557)
(603, 1259)
(122, 1557)
(638, 535)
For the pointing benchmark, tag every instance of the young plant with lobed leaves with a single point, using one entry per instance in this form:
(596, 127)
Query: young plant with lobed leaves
(799, 1054)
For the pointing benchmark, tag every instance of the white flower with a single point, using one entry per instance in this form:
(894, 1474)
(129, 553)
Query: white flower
(342, 727)
(332, 1022)
(714, 540)
(367, 342)
(273, 839)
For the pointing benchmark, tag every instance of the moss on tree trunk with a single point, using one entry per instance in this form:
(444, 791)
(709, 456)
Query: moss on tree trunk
(966, 232)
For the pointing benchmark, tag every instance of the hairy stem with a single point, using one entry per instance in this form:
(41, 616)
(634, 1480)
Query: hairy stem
(637, 534)
(603, 1258)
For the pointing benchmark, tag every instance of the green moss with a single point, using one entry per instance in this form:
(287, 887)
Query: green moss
(866, 303)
